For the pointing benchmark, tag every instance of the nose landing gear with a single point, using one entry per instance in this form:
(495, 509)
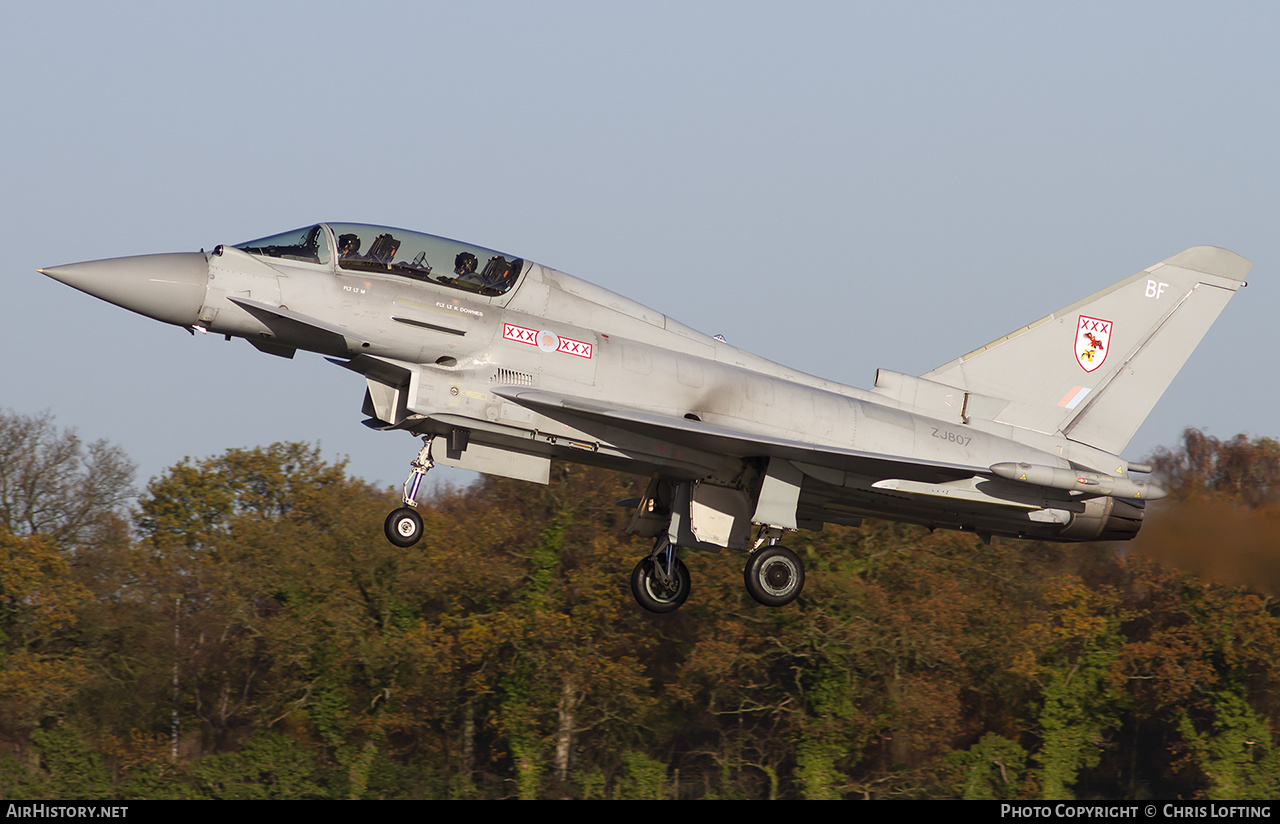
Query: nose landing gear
(403, 526)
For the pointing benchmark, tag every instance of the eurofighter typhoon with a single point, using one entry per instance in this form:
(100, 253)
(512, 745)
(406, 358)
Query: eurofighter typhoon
(500, 365)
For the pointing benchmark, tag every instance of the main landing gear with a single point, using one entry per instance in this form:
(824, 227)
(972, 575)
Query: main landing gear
(660, 583)
(404, 525)
(774, 576)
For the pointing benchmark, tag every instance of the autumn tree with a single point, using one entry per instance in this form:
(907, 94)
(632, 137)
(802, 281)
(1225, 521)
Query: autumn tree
(61, 515)
(53, 484)
(550, 648)
(283, 592)
(1239, 469)
(41, 666)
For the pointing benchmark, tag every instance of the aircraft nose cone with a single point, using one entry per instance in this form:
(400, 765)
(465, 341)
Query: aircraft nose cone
(169, 288)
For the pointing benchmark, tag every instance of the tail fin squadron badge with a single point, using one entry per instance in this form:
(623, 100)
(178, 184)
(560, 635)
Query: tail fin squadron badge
(1093, 339)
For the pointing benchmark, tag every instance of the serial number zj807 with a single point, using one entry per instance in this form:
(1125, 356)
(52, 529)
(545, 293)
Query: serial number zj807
(953, 437)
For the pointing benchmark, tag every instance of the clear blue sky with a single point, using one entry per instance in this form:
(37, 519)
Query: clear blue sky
(837, 186)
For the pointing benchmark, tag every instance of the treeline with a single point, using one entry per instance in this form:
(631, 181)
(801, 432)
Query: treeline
(243, 630)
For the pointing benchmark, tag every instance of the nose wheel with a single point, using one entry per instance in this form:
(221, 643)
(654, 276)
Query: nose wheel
(403, 526)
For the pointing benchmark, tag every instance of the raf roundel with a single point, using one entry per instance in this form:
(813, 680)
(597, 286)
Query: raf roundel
(548, 341)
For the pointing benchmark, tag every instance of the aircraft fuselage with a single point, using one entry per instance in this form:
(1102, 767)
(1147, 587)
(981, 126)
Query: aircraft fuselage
(507, 374)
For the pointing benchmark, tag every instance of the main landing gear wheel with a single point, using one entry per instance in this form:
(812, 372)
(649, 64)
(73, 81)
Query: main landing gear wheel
(403, 527)
(658, 591)
(774, 575)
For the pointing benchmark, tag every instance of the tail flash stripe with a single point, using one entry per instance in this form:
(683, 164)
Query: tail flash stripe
(1072, 399)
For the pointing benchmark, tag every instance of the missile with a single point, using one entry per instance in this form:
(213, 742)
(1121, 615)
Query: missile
(1072, 480)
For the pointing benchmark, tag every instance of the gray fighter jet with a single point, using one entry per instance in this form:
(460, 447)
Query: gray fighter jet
(500, 364)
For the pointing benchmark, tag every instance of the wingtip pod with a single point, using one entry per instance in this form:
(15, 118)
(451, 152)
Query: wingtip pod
(1210, 260)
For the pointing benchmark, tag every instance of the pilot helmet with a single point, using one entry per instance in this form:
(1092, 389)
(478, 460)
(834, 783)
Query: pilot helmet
(465, 263)
(348, 244)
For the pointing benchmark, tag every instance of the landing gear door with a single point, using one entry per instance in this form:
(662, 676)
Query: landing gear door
(720, 515)
(680, 532)
(779, 495)
(651, 517)
(493, 461)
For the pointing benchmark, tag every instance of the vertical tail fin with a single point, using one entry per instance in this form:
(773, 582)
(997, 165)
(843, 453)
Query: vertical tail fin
(1094, 370)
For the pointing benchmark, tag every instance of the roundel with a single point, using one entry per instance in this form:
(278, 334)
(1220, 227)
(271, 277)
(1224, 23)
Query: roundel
(548, 341)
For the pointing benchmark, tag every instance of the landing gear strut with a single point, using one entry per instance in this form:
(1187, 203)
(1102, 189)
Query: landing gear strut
(660, 583)
(403, 527)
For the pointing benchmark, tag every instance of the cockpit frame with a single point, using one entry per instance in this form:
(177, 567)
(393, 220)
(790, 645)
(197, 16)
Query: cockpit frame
(381, 250)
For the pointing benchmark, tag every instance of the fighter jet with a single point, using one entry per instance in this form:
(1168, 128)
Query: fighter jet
(500, 365)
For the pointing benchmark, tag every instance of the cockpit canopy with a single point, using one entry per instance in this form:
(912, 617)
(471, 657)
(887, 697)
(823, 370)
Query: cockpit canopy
(383, 250)
(309, 245)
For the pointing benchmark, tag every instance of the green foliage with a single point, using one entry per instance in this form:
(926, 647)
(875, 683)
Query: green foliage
(816, 769)
(1081, 697)
(545, 559)
(591, 783)
(528, 767)
(1073, 722)
(60, 765)
(271, 766)
(643, 778)
(406, 777)
(147, 771)
(991, 769)
(1235, 750)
